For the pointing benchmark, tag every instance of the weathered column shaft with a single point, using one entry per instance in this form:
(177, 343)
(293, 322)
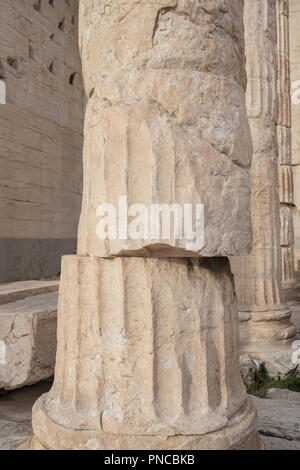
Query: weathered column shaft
(148, 346)
(264, 319)
(286, 186)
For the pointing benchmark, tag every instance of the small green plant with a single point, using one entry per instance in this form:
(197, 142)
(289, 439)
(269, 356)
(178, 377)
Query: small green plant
(263, 382)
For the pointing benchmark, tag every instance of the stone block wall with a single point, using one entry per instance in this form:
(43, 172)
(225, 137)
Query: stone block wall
(41, 120)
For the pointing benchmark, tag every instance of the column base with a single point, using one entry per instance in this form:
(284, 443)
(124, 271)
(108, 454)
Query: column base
(238, 435)
(266, 331)
(267, 336)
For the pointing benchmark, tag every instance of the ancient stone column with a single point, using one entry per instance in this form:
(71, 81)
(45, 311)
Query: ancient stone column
(294, 9)
(265, 320)
(286, 185)
(148, 353)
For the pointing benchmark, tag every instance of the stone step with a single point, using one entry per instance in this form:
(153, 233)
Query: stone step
(20, 290)
(27, 340)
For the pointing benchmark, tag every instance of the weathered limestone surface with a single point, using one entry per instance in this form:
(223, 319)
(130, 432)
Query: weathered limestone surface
(27, 340)
(158, 358)
(166, 124)
(40, 136)
(148, 352)
(265, 321)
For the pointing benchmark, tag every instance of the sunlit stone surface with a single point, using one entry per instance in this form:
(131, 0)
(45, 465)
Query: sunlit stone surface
(148, 352)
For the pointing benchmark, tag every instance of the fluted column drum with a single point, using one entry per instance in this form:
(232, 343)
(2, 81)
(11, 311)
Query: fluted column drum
(148, 343)
(147, 358)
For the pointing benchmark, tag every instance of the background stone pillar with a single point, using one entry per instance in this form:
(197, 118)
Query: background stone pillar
(286, 184)
(265, 320)
(294, 18)
(148, 352)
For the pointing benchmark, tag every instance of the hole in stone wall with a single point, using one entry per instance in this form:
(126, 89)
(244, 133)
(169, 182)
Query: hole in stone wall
(91, 92)
(72, 78)
(13, 62)
(52, 37)
(52, 67)
(52, 3)
(31, 52)
(38, 5)
(62, 25)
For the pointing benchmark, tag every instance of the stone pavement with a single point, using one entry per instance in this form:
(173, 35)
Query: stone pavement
(279, 420)
(15, 414)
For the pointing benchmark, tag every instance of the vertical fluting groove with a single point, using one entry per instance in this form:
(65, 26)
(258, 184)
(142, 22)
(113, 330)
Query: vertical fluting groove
(69, 315)
(167, 371)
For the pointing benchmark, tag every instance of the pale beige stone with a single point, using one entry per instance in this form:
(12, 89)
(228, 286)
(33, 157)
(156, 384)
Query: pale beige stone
(265, 320)
(27, 340)
(157, 355)
(148, 353)
(166, 121)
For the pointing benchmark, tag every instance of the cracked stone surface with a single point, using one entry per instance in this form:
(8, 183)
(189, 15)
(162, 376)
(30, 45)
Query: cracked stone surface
(15, 415)
(27, 340)
(166, 124)
(279, 419)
